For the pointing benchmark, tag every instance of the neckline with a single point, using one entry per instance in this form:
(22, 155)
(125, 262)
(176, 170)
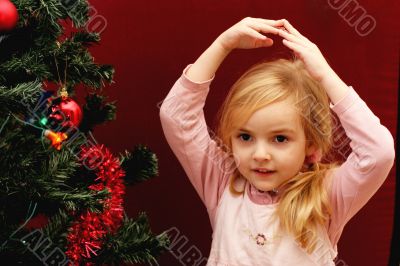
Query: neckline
(258, 197)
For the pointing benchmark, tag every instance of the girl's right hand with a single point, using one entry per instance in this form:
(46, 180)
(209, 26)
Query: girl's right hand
(248, 34)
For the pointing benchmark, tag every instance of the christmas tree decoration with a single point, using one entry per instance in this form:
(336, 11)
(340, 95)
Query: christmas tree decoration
(8, 15)
(63, 205)
(55, 138)
(64, 113)
(85, 237)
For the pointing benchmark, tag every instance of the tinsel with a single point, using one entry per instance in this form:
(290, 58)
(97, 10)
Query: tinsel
(86, 235)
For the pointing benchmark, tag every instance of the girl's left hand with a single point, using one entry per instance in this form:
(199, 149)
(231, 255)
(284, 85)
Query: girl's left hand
(306, 51)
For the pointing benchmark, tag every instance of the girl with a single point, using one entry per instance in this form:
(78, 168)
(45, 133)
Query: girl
(270, 199)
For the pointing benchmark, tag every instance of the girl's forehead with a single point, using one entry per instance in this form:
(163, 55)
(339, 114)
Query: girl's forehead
(282, 114)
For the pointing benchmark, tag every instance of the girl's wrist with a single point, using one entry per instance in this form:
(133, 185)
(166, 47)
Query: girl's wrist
(334, 86)
(330, 79)
(207, 64)
(224, 49)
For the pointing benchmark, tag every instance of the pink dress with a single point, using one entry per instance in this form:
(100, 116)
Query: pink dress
(243, 231)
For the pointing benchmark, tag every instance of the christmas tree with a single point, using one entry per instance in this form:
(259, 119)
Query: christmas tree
(61, 198)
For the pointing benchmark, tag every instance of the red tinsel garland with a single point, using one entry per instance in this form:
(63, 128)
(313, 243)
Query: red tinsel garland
(86, 234)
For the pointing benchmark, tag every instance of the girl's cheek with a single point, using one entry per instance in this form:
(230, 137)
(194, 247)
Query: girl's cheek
(237, 159)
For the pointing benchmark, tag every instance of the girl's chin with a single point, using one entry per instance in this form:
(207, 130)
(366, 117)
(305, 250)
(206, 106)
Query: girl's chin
(263, 187)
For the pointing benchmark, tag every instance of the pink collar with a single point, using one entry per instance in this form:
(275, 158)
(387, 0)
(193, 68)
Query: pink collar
(263, 197)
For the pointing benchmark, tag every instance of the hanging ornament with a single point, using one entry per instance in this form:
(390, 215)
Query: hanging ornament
(64, 112)
(40, 220)
(8, 15)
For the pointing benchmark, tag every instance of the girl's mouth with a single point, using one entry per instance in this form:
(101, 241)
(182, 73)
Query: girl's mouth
(264, 173)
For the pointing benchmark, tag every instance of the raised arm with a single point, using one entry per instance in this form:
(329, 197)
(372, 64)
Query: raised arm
(314, 62)
(366, 168)
(182, 116)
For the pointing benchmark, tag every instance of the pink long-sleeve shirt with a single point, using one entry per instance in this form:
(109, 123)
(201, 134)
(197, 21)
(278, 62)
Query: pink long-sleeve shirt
(244, 232)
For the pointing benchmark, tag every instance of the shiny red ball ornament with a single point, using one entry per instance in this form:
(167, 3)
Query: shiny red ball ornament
(8, 15)
(65, 112)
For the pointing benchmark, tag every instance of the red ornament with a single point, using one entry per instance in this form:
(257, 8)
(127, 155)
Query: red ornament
(8, 15)
(39, 221)
(64, 112)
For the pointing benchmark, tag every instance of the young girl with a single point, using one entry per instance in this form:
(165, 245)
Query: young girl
(270, 199)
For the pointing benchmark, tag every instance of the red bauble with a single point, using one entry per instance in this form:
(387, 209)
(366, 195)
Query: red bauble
(37, 222)
(8, 15)
(65, 112)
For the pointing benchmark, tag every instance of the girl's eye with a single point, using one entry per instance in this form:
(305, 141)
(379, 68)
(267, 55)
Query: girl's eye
(281, 138)
(244, 137)
(278, 138)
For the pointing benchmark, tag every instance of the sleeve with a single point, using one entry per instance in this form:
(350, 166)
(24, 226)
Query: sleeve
(182, 118)
(367, 166)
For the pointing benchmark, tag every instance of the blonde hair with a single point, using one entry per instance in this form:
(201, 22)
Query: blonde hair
(304, 204)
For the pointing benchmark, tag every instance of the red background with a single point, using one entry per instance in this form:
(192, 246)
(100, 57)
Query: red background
(150, 42)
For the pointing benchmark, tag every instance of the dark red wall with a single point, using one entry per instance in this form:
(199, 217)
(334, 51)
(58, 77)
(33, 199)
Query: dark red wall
(150, 42)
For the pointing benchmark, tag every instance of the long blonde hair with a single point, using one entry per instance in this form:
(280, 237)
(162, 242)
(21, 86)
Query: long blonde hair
(304, 205)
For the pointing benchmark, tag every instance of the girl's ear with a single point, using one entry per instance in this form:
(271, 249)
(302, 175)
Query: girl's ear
(313, 154)
(311, 148)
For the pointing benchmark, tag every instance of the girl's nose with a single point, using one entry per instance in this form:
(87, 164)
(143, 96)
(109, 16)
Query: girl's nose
(261, 153)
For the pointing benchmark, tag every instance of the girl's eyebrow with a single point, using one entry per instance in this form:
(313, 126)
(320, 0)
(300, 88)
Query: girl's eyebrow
(289, 130)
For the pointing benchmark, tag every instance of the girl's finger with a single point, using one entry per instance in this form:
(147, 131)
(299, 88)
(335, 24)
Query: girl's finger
(255, 34)
(292, 38)
(295, 32)
(291, 29)
(297, 48)
(261, 40)
(260, 27)
(264, 43)
(274, 23)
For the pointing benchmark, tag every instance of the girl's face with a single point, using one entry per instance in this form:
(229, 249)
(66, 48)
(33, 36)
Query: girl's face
(272, 139)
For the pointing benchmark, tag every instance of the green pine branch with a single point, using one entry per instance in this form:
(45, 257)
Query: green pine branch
(86, 38)
(28, 64)
(30, 172)
(21, 98)
(96, 111)
(52, 62)
(39, 30)
(81, 67)
(51, 11)
(57, 228)
(139, 165)
(81, 199)
(133, 243)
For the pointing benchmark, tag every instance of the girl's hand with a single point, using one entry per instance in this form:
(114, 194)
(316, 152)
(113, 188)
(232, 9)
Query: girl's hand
(306, 51)
(248, 34)
(314, 62)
